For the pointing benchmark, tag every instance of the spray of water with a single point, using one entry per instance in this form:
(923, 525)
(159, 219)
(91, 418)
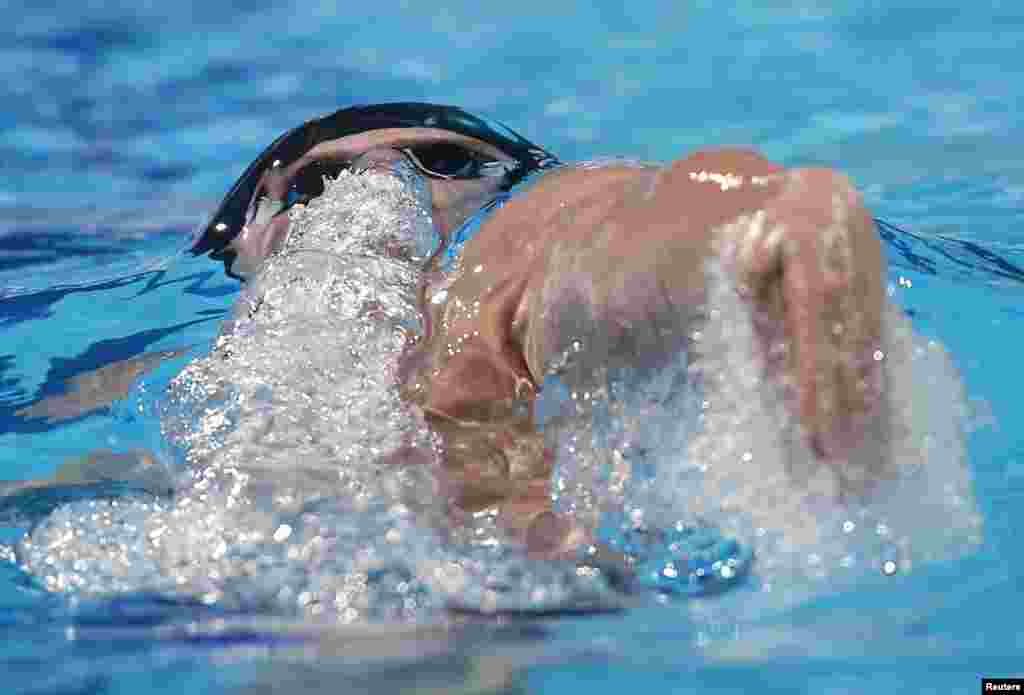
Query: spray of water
(698, 471)
(310, 487)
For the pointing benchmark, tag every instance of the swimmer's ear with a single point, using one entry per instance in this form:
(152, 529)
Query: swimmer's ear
(445, 142)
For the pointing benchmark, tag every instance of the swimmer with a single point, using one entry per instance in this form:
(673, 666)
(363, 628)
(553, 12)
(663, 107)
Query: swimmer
(608, 258)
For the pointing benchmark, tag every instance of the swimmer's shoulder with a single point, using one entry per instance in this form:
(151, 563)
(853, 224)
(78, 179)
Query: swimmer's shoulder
(571, 191)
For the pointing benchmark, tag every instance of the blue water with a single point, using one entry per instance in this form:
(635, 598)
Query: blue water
(123, 125)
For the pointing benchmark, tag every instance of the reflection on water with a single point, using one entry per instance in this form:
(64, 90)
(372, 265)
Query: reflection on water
(95, 388)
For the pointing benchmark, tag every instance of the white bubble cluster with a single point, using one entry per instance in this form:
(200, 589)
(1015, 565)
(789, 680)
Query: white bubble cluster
(308, 477)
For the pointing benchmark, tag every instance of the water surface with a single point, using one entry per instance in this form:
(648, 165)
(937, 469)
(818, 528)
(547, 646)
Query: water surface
(126, 123)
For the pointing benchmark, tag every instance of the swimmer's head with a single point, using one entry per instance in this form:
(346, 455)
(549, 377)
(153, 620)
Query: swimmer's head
(465, 161)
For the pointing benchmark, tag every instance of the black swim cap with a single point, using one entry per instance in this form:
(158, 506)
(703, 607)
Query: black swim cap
(227, 222)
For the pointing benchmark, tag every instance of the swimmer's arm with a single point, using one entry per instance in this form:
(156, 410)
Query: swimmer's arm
(812, 266)
(800, 244)
(803, 250)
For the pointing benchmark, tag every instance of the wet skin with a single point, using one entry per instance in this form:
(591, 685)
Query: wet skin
(614, 258)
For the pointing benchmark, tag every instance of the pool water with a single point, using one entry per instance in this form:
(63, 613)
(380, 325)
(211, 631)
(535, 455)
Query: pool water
(123, 127)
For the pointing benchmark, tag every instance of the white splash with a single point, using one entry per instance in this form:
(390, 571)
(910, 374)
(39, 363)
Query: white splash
(310, 484)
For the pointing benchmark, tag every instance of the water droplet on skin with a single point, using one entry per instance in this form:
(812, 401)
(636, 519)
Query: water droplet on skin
(295, 344)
